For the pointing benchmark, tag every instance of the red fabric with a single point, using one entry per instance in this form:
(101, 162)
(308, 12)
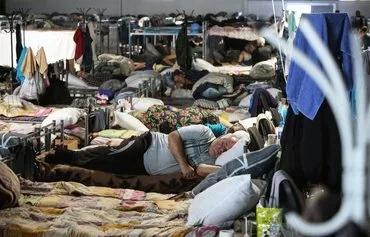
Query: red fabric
(79, 40)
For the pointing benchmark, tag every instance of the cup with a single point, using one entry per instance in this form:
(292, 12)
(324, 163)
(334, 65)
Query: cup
(226, 233)
(271, 139)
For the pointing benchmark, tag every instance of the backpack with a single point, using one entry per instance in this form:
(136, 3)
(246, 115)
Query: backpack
(183, 50)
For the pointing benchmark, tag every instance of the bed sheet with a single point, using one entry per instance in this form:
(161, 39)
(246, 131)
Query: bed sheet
(72, 209)
(233, 114)
(237, 70)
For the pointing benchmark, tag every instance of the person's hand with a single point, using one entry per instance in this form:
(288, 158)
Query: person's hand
(187, 171)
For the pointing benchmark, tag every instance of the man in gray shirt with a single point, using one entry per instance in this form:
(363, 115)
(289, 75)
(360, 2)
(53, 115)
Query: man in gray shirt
(191, 150)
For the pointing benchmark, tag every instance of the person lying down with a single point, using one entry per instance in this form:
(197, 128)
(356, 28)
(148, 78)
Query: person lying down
(191, 150)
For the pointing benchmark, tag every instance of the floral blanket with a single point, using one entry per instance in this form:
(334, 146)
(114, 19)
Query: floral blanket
(72, 209)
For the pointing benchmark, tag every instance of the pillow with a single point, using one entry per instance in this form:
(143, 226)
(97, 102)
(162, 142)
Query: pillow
(143, 104)
(77, 82)
(127, 121)
(115, 133)
(181, 93)
(225, 201)
(249, 122)
(256, 164)
(263, 70)
(206, 104)
(68, 115)
(9, 187)
(13, 100)
(105, 141)
(235, 151)
(241, 134)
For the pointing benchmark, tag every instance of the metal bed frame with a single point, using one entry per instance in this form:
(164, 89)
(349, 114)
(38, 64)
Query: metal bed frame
(36, 136)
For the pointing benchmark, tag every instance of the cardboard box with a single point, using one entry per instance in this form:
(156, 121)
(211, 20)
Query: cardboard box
(71, 144)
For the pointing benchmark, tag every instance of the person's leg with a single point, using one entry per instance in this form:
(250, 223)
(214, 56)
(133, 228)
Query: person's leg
(127, 158)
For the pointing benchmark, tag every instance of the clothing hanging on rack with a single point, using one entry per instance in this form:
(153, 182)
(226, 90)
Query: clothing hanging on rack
(335, 29)
(28, 67)
(366, 56)
(311, 148)
(87, 59)
(292, 25)
(20, 77)
(79, 40)
(18, 37)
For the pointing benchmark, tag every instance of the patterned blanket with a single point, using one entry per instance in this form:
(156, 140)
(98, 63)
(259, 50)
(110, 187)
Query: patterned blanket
(72, 209)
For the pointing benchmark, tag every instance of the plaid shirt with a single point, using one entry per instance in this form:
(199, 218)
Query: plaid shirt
(196, 140)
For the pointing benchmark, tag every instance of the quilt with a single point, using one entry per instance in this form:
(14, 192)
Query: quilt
(73, 209)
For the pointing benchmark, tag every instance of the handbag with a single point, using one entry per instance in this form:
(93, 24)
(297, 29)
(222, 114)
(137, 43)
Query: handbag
(29, 89)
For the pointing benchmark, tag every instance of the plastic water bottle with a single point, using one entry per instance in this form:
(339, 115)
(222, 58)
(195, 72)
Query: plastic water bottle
(280, 130)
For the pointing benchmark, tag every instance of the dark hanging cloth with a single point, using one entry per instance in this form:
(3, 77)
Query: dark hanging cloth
(87, 60)
(311, 149)
(18, 36)
(56, 94)
(183, 48)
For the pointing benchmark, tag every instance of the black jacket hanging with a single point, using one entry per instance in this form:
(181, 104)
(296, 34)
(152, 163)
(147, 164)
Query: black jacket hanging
(183, 50)
(311, 149)
(87, 61)
(18, 36)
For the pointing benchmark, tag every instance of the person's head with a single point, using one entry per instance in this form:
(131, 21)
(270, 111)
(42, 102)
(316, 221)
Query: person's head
(362, 31)
(261, 42)
(179, 77)
(250, 46)
(222, 144)
(82, 74)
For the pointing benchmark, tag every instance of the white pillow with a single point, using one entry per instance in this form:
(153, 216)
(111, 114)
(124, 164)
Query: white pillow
(68, 115)
(224, 201)
(249, 122)
(142, 104)
(233, 153)
(77, 82)
(127, 121)
(201, 64)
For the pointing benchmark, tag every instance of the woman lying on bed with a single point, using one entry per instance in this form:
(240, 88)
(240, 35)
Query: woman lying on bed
(191, 150)
(165, 119)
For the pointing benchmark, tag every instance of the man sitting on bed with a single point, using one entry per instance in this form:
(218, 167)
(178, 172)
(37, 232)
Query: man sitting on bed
(191, 150)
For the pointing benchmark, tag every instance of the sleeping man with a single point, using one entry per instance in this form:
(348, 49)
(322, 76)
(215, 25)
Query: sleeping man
(191, 150)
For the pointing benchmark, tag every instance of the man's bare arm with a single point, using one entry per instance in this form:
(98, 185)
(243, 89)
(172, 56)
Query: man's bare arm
(176, 147)
(204, 169)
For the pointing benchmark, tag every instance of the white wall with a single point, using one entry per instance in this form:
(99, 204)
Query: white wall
(129, 6)
(259, 7)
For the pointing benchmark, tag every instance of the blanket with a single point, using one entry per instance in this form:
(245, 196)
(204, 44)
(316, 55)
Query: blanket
(27, 109)
(72, 209)
(172, 183)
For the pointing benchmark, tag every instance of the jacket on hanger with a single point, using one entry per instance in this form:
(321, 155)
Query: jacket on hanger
(18, 38)
(78, 38)
(335, 31)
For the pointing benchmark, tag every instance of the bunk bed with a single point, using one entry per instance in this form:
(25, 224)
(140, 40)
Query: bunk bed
(262, 71)
(157, 32)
